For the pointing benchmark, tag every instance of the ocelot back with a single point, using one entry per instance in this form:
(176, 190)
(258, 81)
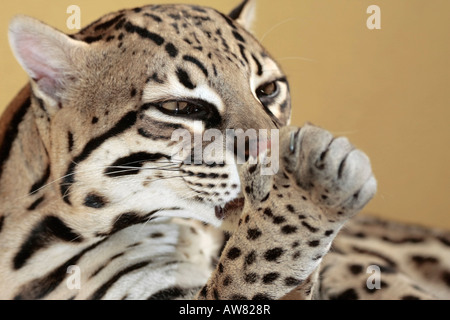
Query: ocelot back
(98, 203)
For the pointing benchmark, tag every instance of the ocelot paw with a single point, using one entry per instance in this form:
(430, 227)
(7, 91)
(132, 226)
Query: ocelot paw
(336, 176)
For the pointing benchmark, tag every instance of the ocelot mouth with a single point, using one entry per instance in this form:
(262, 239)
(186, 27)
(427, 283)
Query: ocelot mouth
(230, 207)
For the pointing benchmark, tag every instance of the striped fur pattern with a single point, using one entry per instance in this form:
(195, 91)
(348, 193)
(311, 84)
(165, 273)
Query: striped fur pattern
(94, 205)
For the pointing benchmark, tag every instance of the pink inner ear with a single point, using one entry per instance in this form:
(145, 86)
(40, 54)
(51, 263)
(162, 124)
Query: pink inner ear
(38, 58)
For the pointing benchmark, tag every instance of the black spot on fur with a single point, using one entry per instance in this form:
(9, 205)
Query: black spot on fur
(279, 219)
(349, 294)
(171, 50)
(204, 292)
(94, 120)
(153, 16)
(234, 253)
(355, 269)
(270, 277)
(105, 25)
(197, 63)
(261, 296)
(227, 281)
(290, 208)
(446, 278)
(184, 79)
(420, 260)
(314, 243)
(309, 227)
(288, 229)
(157, 235)
(70, 141)
(444, 241)
(250, 258)
(410, 297)
(238, 36)
(251, 277)
(273, 254)
(258, 64)
(95, 201)
(253, 234)
(292, 282)
(144, 33)
(93, 39)
(264, 199)
(268, 212)
(2, 221)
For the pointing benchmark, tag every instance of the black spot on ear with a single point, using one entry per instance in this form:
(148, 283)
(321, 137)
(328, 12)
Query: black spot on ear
(95, 201)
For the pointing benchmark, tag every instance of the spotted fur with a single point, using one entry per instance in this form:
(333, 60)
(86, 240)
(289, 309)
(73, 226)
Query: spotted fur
(89, 182)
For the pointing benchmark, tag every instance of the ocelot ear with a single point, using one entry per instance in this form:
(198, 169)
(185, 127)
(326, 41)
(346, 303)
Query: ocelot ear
(244, 14)
(49, 56)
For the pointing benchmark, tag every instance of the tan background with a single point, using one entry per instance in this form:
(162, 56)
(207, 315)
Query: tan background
(388, 90)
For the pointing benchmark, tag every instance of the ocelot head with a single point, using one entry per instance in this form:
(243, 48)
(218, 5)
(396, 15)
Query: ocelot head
(113, 102)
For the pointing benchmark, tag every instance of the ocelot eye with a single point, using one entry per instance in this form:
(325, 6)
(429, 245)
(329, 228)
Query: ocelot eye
(174, 106)
(195, 110)
(267, 90)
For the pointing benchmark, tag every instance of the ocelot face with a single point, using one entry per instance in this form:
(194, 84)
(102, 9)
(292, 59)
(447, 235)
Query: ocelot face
(136, 84)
